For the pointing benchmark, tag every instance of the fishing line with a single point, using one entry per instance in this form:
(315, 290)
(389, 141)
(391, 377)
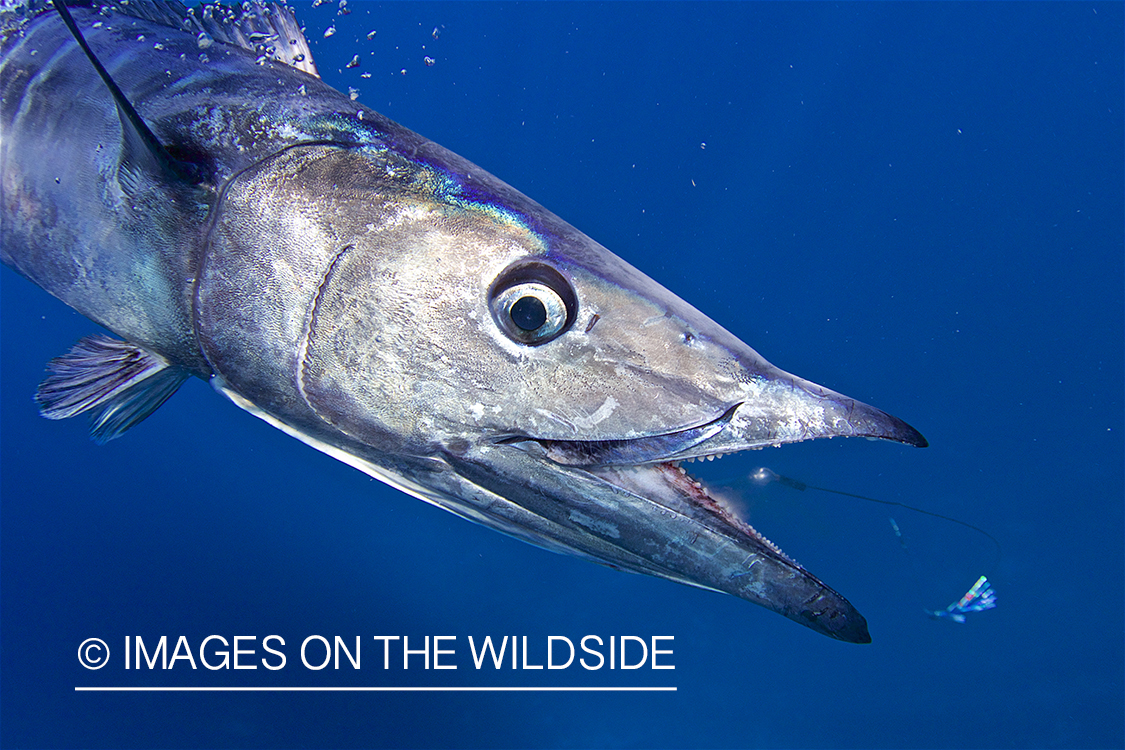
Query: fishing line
(764, 476)
(978, 598)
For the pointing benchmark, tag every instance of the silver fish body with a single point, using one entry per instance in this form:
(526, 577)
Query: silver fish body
(393, 305)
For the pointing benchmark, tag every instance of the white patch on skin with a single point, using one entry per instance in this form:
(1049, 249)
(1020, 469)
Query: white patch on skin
(603, 528)
(477, 410)
(604, 411)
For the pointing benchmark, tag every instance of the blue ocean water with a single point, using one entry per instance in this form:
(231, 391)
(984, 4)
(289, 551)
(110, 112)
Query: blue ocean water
(918, 205)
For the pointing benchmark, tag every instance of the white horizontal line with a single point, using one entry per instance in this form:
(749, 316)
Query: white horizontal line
(374, 689)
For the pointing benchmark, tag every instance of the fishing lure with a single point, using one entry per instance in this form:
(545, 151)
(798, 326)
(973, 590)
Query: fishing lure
(977, 599)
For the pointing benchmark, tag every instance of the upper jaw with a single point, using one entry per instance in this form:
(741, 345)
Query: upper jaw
(784, 411)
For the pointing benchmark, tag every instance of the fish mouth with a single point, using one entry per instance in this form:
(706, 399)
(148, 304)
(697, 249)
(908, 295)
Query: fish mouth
(652, 516)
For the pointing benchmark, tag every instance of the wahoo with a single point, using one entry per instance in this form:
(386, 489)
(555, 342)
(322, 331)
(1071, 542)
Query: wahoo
(186, 180)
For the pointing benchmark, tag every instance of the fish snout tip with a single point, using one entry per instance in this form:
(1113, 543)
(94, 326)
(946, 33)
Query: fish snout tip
(864, 420)
(843, 624)
(902, 432)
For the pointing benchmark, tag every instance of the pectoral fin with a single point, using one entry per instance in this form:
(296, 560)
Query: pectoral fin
(120, 383)
(142, 154)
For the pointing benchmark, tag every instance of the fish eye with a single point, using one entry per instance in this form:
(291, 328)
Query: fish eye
(532, 303)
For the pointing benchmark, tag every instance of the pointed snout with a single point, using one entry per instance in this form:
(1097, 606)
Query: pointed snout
(847, 417)
(781, 408)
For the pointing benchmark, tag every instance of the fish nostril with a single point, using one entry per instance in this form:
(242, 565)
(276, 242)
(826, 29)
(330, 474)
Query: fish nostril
(458, 446)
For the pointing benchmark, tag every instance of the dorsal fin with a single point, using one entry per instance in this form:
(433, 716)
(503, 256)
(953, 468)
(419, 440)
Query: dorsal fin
(267, 29)
(143, 152)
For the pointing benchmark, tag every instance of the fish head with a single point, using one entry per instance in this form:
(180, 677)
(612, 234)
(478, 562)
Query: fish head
(461, 342)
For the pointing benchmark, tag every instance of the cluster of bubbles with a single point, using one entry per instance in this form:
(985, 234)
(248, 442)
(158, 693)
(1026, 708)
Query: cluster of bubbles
(331, 30)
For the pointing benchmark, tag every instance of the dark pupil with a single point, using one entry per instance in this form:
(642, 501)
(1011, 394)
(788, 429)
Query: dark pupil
(529, 313)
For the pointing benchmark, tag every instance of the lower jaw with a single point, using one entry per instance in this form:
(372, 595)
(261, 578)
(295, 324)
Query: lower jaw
(670, 485)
